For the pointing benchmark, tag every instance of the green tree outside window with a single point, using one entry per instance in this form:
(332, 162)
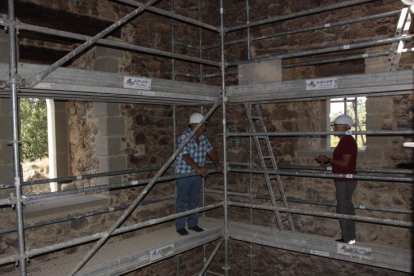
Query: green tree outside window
(33, 115)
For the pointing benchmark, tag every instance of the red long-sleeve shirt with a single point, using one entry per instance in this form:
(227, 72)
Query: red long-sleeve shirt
(346, 145)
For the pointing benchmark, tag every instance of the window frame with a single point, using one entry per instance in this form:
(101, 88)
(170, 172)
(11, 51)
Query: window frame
(358, 125)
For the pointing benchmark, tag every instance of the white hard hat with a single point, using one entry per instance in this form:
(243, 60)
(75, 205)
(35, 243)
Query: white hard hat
(196, 118)
(408, 2)
(343, 120)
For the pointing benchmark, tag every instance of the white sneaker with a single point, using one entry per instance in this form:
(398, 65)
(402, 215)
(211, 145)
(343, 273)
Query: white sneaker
(351, 241)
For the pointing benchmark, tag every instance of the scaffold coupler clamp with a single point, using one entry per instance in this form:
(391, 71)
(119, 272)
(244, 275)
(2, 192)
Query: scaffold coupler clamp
(225, 64)
(4, 21)
(13, 200)
(3, 85)
(11, 142)
(7, 84)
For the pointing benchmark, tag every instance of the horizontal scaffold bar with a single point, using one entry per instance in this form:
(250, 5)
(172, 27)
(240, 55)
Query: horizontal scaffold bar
(399, 223)
(402, 179)
(323, 133)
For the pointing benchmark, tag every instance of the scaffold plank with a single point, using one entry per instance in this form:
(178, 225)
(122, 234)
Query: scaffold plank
(401, 82)
(76, 84)
(128, 254)
(140, 250)
(362, 253)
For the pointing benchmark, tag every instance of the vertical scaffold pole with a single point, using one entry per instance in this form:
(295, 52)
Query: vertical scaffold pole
(249, 44)
(223, 91)
(15, 142)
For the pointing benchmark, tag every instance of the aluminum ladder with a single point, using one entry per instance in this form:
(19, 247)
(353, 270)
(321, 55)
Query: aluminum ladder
(265, 154)
(403, 28)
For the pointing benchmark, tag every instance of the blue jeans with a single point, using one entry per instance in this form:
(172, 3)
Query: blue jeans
(188, 190)
(344, 191)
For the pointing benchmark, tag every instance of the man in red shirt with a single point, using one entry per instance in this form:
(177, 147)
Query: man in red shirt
(344, 162)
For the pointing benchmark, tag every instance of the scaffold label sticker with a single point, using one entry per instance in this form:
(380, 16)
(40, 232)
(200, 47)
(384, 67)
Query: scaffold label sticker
(318, 84)
(147, 93)
(137, 83)
(354, 251)
(319, 253)
(161, 252)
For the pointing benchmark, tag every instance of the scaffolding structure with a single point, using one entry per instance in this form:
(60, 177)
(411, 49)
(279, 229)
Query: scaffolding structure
(57, 82)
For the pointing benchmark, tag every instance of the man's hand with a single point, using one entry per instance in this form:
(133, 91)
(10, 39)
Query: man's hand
(219, 168)
(203, 171)
(323, 159)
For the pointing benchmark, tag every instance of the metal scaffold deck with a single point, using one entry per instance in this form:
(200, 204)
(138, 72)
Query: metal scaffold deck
(378, 84)
(120, 256)
(76, 84)
(362, 253)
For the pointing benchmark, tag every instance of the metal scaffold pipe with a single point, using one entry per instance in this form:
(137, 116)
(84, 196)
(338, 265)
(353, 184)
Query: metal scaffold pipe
(172, 15)
(297, 14)
(333, 60)
(399, 223)
(58, 246)
(327, 175)
(340, 48)
(16, 147)
(225, 169)
(66, 179)
(39, 77)
(111, 43)
(311, 62)
(321, 168)
(210, 259)
(311, 202)
(324, 133)
(308, 29)
(83, 215)
(101, 188)
(140, 197)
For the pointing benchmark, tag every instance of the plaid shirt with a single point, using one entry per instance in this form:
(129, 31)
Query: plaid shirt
(197, 152)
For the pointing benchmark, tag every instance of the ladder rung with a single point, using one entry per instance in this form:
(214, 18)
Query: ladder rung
(256, 117)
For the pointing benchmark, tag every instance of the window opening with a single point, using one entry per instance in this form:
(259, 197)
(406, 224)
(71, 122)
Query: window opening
(354, 107)
(38, 141)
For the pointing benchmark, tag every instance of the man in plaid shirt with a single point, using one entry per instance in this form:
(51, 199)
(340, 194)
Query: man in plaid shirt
(190, 160)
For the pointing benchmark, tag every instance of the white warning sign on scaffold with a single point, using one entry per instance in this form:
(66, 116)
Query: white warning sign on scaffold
(318, 84)
(137, 83)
